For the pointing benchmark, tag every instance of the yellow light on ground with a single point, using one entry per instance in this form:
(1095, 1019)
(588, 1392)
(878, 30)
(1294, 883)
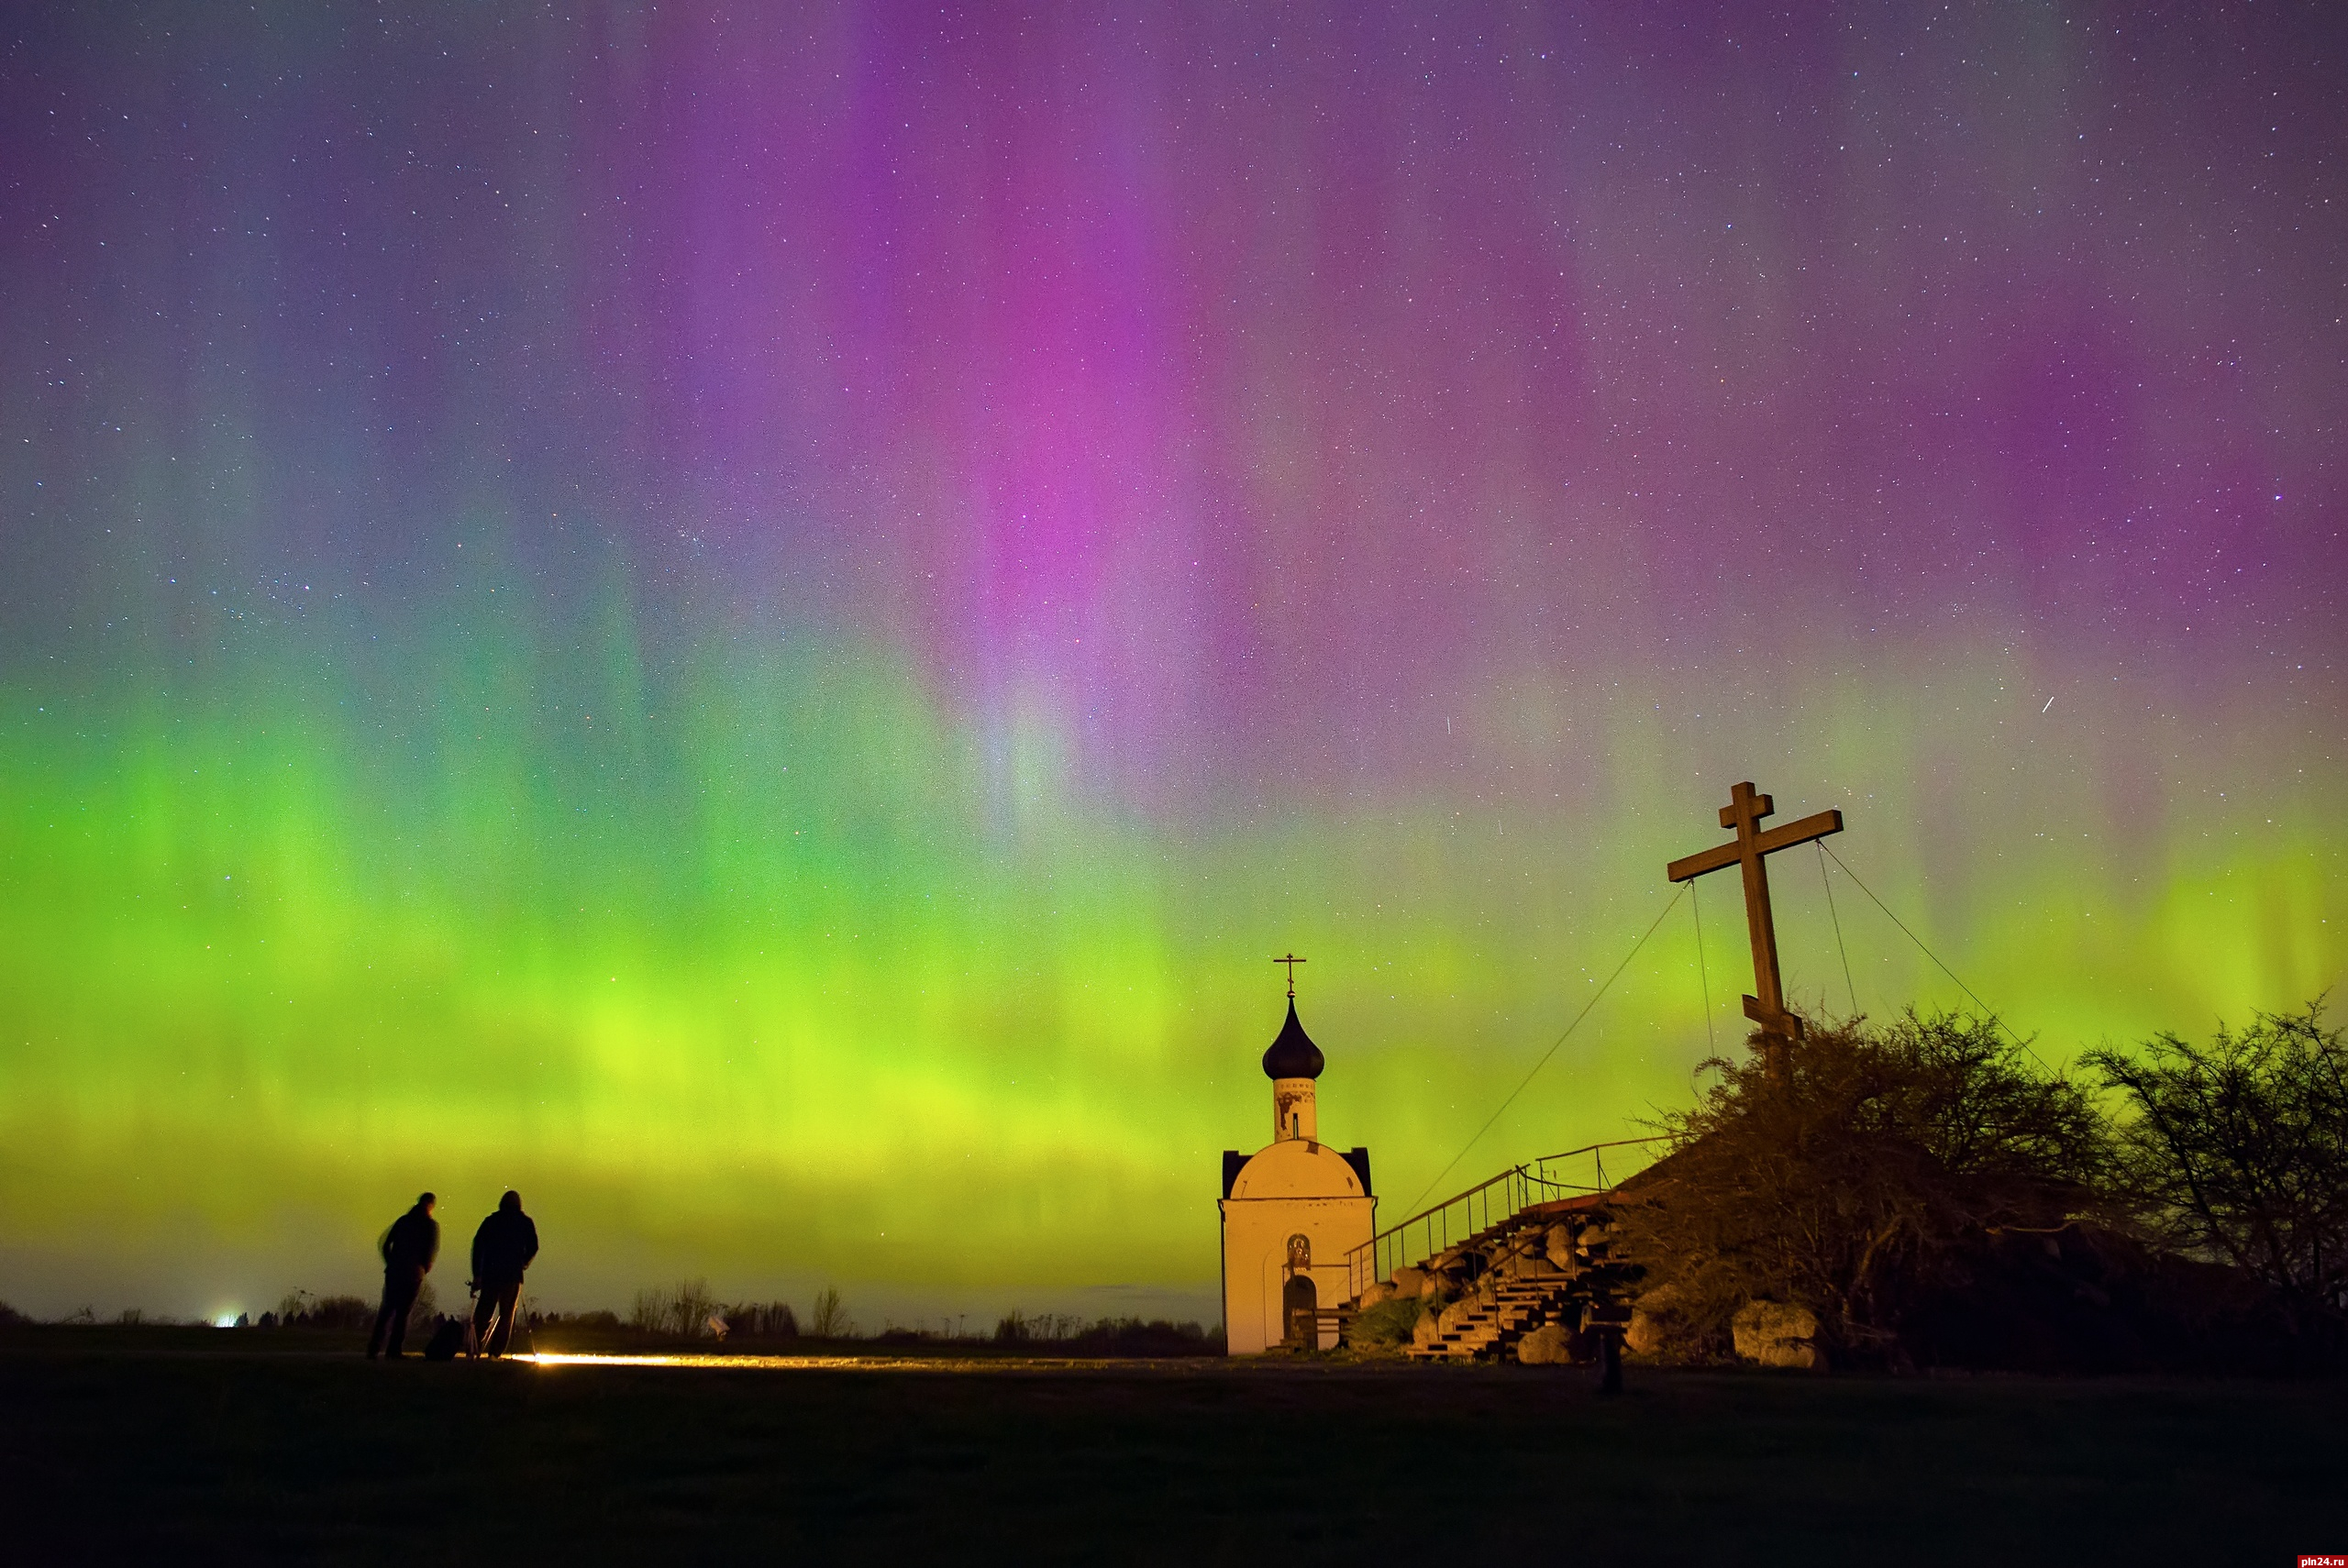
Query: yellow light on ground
(838, 1363)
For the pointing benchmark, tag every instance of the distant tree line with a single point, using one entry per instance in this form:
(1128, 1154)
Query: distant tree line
(689, 1310)
(300, 1309)
(1107, 1336)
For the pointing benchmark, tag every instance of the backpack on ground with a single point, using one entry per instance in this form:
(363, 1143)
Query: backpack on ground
(447, 1340)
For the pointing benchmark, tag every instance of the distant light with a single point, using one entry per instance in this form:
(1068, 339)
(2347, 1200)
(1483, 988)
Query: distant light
(225, 1320)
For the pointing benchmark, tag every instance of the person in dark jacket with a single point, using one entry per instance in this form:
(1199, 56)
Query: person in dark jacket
(409, 1249)
(503, 1248)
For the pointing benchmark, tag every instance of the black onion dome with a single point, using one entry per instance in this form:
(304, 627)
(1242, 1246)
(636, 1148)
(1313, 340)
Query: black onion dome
(1293, 1055)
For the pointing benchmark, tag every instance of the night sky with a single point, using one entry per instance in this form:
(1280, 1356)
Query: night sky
(758, 623)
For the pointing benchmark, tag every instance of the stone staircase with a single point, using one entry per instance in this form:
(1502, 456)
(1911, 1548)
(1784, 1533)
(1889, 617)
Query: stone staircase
(1486, 1326)
(1521, 1283)
(1527, 1250)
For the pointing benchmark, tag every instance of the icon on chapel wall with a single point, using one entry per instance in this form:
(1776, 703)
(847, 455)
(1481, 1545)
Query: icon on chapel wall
(1299, 1252)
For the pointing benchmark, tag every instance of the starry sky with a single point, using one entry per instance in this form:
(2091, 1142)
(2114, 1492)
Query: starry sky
(756, 619)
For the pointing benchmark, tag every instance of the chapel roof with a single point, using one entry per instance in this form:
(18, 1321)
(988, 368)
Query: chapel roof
(1293, 1055)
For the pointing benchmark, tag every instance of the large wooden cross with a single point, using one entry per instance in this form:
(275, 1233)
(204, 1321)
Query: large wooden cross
(1743, 814)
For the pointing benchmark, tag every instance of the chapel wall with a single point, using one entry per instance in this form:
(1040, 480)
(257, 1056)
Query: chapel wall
(1255, 1235)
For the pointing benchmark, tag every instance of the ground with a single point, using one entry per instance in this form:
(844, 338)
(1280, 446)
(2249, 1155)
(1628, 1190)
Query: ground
(153, 1444)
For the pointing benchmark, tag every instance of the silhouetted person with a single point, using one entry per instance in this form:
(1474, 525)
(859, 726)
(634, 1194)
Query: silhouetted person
(503, 1248)
(409, 1249)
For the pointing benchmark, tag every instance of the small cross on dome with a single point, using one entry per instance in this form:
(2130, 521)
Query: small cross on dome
(1291, 960)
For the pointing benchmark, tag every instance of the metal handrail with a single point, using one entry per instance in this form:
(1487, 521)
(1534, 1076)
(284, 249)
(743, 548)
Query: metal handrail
(1598, 1160)
(1522, 1186)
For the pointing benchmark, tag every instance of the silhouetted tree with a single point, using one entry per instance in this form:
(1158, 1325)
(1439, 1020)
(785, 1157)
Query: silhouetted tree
(2238, 1151)
(828, 1319)
(1876, 1174)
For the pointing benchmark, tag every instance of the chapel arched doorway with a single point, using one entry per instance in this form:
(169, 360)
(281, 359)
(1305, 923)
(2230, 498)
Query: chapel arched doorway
(1300, 1302)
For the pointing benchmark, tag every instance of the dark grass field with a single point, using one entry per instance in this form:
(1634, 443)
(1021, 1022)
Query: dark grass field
(198, 1445)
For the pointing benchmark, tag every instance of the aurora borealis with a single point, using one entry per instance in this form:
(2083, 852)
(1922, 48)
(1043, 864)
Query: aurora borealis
(756, 620)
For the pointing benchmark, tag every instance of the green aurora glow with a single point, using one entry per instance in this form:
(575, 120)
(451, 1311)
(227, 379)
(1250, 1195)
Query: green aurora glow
(785, 1007)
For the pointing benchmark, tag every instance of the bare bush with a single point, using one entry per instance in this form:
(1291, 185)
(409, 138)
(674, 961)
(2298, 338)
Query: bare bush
(683, 1309)
(690, 1308)
(767, 1320)
(1017, 1326)
(342, 1312)
(1870, 1178)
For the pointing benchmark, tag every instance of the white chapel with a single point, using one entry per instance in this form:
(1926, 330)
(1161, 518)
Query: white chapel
(1290, 1213)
